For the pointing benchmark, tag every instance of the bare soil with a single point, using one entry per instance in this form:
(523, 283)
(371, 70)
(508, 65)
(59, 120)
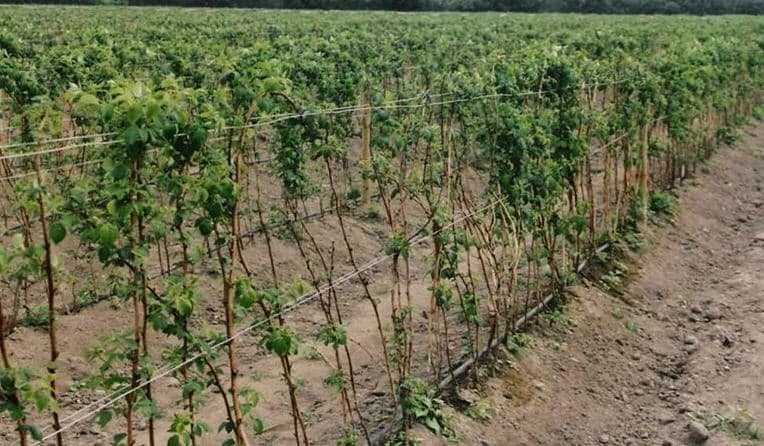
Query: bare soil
(682, 342)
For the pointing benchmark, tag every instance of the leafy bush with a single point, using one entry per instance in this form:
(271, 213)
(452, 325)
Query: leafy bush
(419, 406)
(663, 204)
(516, 343)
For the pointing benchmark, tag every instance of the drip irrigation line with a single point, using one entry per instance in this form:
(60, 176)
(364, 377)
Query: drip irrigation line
(466, 365)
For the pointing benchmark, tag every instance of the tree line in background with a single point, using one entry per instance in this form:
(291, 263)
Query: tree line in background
(697, 7)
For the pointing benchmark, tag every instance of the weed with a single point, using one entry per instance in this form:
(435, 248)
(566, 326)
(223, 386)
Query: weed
(419, 406)
(372, 213)
(632, 327)
(621, 267)
(258, 375)
(728, 135)
(556, 316)
(281, 227)
(335, 380)
(310, 352)
(403, 439)
(613, 280)
(300, 384)
(86, 298)
(36, 316)
(352, 196)
(610, 281)
(618, 313)
(479, 410)
(739, 424)
(758, 112)
(569, 277)
(601, 258)
(663, 204)
(516, 343)
(350, 438)
(634, 241)
(555, 312)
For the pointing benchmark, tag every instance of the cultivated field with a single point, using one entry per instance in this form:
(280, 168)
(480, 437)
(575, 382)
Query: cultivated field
(249, 227)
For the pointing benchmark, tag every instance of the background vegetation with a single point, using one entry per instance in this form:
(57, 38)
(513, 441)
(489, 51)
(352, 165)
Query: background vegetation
(696, 7)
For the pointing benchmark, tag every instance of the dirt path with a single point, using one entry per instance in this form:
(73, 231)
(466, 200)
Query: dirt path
(685, 341)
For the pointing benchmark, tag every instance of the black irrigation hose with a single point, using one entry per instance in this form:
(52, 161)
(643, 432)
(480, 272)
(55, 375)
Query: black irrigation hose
(380, 437)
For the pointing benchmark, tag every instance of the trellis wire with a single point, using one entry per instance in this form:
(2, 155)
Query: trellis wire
(110, 400)
(400, 103)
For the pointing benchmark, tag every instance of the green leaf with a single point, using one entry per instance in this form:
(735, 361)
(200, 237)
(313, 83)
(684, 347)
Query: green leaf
(281, 341)
(432, 424)
(205, 226)
(41, 401)
(258, 426)
(273, 84)
(120, 171)
(86, 102)
(57, 232)
(191, 387)
(103, 417)
(118, 439)
(332, 334)
(132, 136)
(197, 138)
(244, 295)
(107, 234)
(17, 241)
(134, 114)
(184, 306)
(397, 244)
(34, 432)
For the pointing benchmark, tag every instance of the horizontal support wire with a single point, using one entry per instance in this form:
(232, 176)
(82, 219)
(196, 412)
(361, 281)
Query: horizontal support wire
(396, 104)
(93, 408)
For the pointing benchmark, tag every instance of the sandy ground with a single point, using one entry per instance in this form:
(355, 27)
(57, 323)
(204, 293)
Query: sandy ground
(682, 343)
